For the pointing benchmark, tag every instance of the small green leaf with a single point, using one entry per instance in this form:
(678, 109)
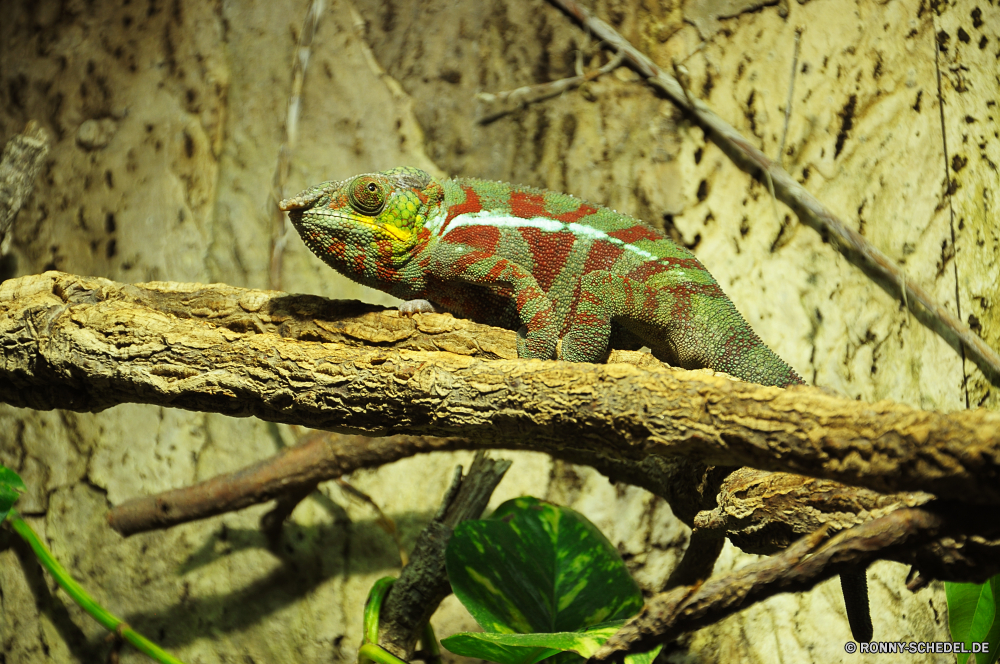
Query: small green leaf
(11, 485)
(973, 617)
(538, 567)
(471, 644)
(530, 648)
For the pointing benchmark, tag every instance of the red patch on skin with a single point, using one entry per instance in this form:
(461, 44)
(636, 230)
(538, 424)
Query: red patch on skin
(495, 271)
(484, 238)
(549, 252)
(602, 256)
(338, 202)
(387, 274)
(644, 271)
(470, 205)
(526, 206)
(635, 233)
(526, 295)
(573, 304)
(336, 248)
(384, 250)
(423, 237)
(540, 320)
(649, 302)
(463, 263)
(576, 215)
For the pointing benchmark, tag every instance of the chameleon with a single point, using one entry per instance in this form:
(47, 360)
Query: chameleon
(574, 279)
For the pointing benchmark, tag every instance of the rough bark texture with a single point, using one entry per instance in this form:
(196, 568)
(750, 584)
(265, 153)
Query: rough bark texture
(89, 344)
(167, 125)
(423, 583)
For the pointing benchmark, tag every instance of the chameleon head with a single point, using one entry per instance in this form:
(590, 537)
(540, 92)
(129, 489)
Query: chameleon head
(366, 223)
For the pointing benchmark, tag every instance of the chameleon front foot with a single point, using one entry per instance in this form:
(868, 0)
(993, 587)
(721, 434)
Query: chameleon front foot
(411, 307)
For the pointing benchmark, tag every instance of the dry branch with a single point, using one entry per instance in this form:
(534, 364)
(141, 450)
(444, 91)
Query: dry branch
(290, 472)
(424, 582)
(88, 344)
(861, 253)
(497, 105)
(297, 470)
(919, 536)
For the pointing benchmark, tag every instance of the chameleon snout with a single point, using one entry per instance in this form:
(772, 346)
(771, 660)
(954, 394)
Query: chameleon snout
(304, 200)
(295, 203)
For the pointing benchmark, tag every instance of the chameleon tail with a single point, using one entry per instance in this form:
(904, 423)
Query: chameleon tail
(720, 338)
(855, 587)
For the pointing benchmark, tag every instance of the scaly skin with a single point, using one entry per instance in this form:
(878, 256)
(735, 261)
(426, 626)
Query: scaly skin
(546, 264)
(525, 259)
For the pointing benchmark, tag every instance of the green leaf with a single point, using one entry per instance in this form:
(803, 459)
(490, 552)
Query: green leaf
(973, 617)
(538, 567)
(11, 485)
(471, 644)
(531, 648)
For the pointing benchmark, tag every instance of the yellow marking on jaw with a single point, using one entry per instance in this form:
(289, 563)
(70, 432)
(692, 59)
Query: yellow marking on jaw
(365, 221)
(400, 234)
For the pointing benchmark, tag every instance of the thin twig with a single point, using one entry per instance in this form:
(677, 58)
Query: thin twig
(791, 91)
(303, 49)
(502, 103)
(951, 203)
(382, 519)
(851, 244)
(296, 470)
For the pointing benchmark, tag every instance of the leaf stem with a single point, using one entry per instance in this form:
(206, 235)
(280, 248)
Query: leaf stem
(81, 597)
(430, 645)
(372, 652)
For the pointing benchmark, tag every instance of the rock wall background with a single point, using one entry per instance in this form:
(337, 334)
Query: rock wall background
(167, 120)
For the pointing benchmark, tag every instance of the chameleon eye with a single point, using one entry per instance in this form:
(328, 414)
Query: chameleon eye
(367, 195)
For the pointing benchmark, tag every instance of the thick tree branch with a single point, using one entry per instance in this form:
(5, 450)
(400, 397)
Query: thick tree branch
(763, 512)
(88, 344)
(919, 536)
(861, 253)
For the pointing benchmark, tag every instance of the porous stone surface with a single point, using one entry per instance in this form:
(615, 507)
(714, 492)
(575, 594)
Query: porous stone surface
(167, 123)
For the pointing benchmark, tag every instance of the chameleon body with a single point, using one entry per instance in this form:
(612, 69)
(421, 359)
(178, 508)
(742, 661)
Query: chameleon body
(549, 265)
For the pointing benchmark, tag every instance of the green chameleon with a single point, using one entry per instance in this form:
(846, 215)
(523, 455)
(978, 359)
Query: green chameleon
(549, 265)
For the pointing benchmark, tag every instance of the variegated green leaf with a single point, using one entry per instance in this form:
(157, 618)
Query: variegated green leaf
(472, 644)
(530, 648)
(974, 619)
(10, 487)
(538, 567)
